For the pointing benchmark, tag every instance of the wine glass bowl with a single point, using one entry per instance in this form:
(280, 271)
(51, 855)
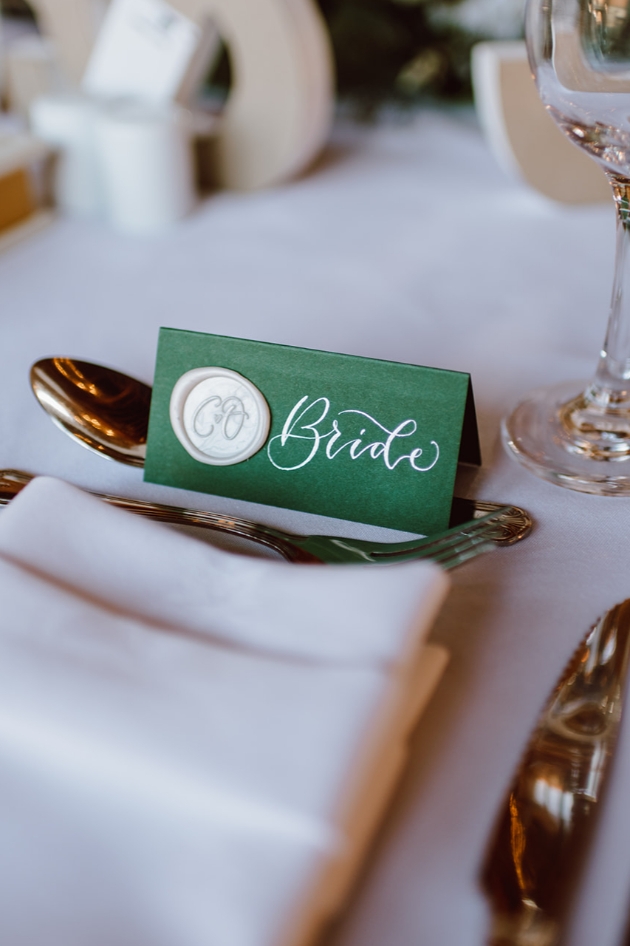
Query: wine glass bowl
(579, 435)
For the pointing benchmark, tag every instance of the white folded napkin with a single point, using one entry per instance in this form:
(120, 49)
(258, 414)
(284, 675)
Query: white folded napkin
(194, 746)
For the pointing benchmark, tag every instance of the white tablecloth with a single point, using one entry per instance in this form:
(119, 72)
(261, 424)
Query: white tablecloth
(407, 243)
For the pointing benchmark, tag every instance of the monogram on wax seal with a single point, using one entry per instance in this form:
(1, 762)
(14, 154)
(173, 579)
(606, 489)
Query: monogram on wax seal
(219, 416)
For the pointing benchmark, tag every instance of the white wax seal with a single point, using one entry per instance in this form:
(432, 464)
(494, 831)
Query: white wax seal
(218, 416)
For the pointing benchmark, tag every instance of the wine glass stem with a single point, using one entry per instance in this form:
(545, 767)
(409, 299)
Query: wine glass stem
(613, 370)
(596, 423)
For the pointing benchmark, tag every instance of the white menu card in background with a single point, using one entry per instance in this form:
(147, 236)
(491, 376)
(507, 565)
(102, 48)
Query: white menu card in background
(143, 51)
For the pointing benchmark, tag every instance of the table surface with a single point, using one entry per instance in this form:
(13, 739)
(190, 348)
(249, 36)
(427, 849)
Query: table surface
(407, 243)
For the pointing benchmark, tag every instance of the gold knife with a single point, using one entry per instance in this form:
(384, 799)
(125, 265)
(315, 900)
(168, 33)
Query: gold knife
(534, 862)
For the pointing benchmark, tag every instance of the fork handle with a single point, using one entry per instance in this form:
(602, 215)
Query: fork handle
(12, 481)
(513, 524)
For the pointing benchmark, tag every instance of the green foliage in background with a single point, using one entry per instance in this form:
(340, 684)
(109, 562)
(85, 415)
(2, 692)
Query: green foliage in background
(392, 50)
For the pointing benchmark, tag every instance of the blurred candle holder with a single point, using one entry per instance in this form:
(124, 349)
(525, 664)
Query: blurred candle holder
(66, 123)
(145, 161)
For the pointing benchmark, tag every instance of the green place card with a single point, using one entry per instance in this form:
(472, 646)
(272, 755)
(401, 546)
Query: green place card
(355, 438)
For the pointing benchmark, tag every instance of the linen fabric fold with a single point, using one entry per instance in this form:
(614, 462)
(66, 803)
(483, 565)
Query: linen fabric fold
(194, 746)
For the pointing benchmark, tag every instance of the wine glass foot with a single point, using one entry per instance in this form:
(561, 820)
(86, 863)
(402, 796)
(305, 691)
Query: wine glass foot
(572, 435)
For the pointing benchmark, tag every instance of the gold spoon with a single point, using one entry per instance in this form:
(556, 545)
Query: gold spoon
(104, 410)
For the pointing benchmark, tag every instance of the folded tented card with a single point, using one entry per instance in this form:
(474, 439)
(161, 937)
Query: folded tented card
(338, 435)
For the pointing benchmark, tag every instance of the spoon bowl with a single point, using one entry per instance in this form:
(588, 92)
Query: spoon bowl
(105, 410)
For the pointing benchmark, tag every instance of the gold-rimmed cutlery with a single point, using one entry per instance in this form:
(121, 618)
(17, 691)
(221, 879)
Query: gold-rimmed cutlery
(533, 866)
(501, 525)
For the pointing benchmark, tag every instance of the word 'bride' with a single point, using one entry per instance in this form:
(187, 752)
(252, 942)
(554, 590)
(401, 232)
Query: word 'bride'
(303, 424)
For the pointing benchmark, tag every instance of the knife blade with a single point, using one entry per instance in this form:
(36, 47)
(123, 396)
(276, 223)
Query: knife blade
(534, 861)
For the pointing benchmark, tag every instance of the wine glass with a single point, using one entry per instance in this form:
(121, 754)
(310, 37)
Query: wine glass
(579, 51)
